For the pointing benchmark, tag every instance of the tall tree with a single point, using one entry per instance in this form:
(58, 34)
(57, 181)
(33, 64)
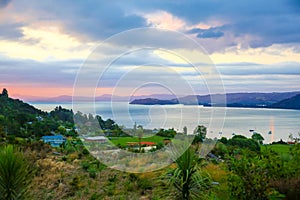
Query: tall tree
(140, 133)
(4, 92)
(200, 134)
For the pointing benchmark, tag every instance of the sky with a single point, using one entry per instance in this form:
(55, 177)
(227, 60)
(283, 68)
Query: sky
(46, 46)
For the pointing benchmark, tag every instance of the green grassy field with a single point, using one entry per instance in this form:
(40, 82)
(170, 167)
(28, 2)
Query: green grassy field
(279, 148)
(123, 140)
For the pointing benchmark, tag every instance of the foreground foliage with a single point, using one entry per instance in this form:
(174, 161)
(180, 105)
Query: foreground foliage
(15, 174)
(188, 178)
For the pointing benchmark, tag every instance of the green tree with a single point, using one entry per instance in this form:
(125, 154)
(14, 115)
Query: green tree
(258, 138)
(170, 133)
(5, 92)
(243, 142)
(15, 174)
(200, 134)
(61, 130)
(140, 133)
(188, 178)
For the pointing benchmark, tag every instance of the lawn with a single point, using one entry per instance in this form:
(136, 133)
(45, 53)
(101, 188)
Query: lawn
(123, 140)
(279, 148)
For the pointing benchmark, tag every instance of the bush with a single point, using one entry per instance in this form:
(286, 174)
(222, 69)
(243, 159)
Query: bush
(15, 174)
(92, 173)
(244, 143)
(85, 166)
(250, 178)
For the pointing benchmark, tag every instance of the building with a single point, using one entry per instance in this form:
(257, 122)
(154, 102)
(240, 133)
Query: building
(54, 140)
(100, 139)
(135, 144)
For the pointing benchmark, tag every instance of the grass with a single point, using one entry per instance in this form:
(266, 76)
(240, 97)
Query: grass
(279, 148)
(123, 140)
(219, 174)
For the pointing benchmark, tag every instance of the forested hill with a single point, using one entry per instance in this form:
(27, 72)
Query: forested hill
(20, 119)
(9, 106)
(289, 103)
(252, 100)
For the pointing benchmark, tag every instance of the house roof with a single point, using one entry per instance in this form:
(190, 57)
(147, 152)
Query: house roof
(96, 138)
(142, 143)
(148, 143)
(53, 137)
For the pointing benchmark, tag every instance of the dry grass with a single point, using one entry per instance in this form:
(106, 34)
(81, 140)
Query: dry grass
(58, 179)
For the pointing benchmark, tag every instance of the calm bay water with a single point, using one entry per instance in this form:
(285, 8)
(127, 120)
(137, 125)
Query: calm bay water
(237, 120)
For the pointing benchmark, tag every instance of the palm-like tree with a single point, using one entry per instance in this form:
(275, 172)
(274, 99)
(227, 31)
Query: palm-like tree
(14, 174)
(188, 178)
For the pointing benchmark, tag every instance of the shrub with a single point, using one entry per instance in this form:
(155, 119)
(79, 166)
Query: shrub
(15, 174)
(85, 166)
(188, 178)
(250, 178)
(92, 173)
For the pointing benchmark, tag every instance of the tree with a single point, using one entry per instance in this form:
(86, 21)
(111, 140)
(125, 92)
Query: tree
(224, 140)
(140, 133)
(200, 134)
(15, 174)
(257, 137)
(170, 133)
(188, 178)
(294, 139)
(5, 92)
(2, 127)
(243, 142)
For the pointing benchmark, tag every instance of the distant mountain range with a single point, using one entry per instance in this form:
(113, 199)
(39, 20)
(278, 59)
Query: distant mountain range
(105, 97)
(261, 100)
(289, 100)
(289, 103)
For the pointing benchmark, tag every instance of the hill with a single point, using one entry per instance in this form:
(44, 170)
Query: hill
(289, 103)
(232, 99)
(241, 99)
(20, 119)
(152, 101)
(16, 106)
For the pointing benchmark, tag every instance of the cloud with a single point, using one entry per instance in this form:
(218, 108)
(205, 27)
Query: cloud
(263, 22)
(246, 23)
(165, 20)
(11, 31)
(255, 42)
(90, 20)
(248, 69)
(207, 33)
(4, 3)
(38, 74)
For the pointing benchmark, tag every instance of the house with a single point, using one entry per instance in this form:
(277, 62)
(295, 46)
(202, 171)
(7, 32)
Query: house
(291, 142)
(134, 144)
(100, 139)
(54, 140)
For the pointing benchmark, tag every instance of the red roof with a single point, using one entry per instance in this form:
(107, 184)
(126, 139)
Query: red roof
(148, 143)
(142, 143)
